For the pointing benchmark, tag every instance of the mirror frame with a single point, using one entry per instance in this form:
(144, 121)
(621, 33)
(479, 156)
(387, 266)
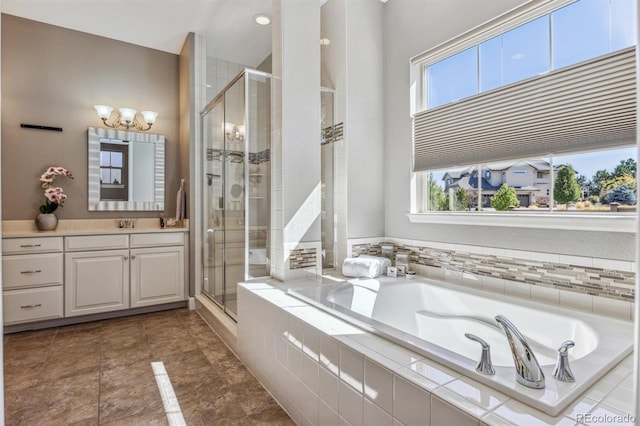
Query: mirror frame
(99, 135)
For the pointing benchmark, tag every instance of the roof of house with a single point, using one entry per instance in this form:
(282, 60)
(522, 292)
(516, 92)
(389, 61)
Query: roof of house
(537, 164)
(486, 186)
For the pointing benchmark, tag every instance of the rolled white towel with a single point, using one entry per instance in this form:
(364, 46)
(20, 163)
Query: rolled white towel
(365, 266)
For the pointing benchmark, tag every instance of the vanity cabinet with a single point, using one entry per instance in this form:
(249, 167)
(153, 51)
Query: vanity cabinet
(32, 277)
(67, 276)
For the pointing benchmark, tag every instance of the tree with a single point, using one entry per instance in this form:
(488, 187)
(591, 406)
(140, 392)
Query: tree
(505, 197)
(595, 186)
(435, 194)
(616, 181)
(566, 189)
(622, 194)
(626, 167)
(461, 199)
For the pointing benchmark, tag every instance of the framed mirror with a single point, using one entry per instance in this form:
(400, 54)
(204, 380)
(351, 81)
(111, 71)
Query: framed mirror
(126, 170)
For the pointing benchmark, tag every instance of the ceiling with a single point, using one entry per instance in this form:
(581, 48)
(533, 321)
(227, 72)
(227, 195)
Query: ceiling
(228, 25)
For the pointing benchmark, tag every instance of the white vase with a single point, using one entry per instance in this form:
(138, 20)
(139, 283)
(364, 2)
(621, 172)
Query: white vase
(46, 221)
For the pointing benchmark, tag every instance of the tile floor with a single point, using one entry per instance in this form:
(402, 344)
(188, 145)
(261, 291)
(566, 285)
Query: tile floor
(99, 373)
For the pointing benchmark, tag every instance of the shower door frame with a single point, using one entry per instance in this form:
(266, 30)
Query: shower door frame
(220, 98)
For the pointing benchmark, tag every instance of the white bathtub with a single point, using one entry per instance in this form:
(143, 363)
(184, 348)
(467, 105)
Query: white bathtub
(431, 318)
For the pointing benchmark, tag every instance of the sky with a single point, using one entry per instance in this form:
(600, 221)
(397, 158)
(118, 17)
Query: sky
(582, 30)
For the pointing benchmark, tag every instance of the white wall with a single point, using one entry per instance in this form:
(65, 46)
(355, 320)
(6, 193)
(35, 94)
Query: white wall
(412, 27)
(365, 118)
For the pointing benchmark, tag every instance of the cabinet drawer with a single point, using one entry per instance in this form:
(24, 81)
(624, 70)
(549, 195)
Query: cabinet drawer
(32, 270)
(31, 245)
(32, 304)
(96, 242)
(157, 239)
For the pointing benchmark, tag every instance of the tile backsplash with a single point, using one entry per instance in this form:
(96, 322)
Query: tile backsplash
(300, 258)
(542, 271)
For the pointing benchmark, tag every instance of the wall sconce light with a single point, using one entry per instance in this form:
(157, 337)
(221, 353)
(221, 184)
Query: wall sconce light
(234, 132)
(126, 117)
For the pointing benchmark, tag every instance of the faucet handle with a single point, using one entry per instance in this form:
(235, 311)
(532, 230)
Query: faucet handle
(562, 371)
(484, 365)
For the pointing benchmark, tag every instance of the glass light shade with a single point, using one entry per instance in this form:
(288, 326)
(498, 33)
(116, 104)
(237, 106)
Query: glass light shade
(104, 111)
(149, 116)
(127, 114)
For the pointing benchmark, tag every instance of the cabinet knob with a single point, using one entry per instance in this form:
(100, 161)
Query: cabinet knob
(126, 257)
(133, 256)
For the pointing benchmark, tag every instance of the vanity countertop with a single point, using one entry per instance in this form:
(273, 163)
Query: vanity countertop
(27, 228)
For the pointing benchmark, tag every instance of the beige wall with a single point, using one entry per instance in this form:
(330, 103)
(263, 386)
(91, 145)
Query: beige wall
(53, 76)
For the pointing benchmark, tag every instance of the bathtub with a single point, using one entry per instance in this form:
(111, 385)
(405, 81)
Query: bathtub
(431, 317)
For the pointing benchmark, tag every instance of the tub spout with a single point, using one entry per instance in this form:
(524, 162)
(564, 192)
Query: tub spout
(528, 371)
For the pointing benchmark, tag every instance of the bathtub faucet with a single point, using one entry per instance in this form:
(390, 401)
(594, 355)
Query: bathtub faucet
(528, 371)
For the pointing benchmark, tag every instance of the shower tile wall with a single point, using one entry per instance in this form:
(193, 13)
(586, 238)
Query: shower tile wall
(295, 148)
(277, 220)
(591, 284)
(219, 74)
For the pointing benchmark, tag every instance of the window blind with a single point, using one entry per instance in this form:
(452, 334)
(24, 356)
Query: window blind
(588, 105)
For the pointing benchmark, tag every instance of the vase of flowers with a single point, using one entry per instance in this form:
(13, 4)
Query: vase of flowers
(55, 197)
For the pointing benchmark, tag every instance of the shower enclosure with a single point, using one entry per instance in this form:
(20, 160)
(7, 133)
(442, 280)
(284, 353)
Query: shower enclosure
(327, 139)
(236, 180)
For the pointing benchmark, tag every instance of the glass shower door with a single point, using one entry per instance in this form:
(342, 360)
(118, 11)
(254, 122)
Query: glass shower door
(234, 193)
(213, 215)
(327, 221)
(259, 173)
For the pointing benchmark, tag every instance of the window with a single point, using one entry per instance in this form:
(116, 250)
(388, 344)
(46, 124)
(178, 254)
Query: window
(582, 30)
(533, 73)
(113, 172)
(591, 182)
(453, 78)
(111, 167)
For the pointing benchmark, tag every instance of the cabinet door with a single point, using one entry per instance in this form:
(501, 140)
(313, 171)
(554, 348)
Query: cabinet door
(96, 281)
(157, 275)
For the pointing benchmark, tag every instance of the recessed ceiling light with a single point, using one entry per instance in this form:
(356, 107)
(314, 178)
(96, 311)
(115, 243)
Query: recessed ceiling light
(325, 42)
(262, 19)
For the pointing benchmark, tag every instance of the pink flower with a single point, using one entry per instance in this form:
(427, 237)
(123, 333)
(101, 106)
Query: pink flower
(62, 171)
(54, 194)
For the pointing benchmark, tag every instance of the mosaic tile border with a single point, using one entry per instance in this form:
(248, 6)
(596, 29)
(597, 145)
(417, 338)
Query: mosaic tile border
(593, 281)
(260, 157)
(302, 258)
